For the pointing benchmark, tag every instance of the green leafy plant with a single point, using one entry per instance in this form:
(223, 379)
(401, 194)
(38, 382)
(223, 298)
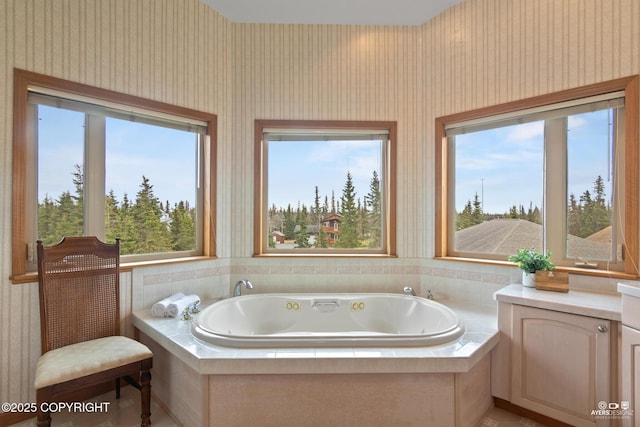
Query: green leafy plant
(530, 261)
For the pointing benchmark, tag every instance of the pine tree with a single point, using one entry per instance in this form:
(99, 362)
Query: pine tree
(112, 218)
(320, 211)
(153, 234)
(349, 224)
(316, 210)
(183, 227)
(601, 211)
(68, 219)
(289, 224)
(333, 203)
(363, 221)
(322, 241)
(302, 237)
(465, 219)
(373, 200)
(78, 182)
(46, 222)
(128, 233)
(574, 216)
(477, 216)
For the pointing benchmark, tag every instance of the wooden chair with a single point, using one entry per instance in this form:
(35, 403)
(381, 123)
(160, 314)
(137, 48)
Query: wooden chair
(79, 286)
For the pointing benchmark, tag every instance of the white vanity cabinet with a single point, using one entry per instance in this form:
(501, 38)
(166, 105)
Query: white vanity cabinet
(630, 372)
(561, 364)
(558, 353)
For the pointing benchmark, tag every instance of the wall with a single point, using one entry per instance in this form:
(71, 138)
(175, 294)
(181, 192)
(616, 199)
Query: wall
(166, 50)
(478, 53)
(485, 52)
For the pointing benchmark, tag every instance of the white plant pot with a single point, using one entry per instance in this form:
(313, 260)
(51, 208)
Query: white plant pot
(528, 280)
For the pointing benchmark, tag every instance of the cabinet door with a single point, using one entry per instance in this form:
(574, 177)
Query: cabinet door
(630, 375)
(560, 364)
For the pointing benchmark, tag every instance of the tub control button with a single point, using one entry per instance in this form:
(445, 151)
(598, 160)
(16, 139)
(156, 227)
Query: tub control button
(357, 306)
(293, 306)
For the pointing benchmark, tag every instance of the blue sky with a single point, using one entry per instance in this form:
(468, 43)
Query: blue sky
(297, 167)
(505, 166)
(133, 150)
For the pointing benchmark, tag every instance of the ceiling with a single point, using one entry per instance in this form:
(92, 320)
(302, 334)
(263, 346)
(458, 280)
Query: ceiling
(359, 12)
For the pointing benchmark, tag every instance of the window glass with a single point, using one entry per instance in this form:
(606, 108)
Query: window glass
(590, 186)
(552, 176)
(151, 187)
(499, 188)
(325, 194)
(81, 156)
(113, 178)
(60, 188)
(324, 190)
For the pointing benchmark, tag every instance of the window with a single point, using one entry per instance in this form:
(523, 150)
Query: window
(112, 166)
(324, 188)
(557, 172)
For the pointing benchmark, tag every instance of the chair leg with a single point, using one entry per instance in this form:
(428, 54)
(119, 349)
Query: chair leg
(118, 388)
(145, 397)
(43, 418)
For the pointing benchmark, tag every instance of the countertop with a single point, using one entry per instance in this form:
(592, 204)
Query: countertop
(628, 289)
(592, 304)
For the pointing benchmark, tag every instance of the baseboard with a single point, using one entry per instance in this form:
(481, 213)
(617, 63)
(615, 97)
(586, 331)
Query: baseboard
(527, 413)
(10, 418)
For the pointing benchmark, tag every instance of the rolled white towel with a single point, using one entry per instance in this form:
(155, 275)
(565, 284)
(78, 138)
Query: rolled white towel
(176, 308)
(159, 309)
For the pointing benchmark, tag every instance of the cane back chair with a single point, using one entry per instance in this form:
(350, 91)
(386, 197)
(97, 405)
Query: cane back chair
(79, 289)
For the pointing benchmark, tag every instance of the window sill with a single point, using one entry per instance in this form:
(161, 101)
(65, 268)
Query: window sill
(329, 255)
(571, 270)
(32, 277)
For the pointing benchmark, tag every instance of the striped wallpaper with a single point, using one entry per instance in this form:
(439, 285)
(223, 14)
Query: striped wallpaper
(328, 72)
(478, 53)
(166, 50)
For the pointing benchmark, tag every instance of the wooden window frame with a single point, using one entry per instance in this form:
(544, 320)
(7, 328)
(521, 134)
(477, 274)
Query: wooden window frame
(389, 249)
(631, 166)
(24, 80)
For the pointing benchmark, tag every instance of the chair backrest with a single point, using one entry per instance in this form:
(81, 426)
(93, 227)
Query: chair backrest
(79, 287)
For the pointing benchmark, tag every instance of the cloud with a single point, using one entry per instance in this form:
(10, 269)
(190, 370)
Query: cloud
(525, 132)
(295, 168)
(574, 122)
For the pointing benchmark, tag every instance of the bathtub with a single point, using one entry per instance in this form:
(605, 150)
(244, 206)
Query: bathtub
(327, 320)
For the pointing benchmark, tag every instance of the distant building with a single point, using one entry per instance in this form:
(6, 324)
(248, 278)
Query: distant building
(331, 227)
(278, 237)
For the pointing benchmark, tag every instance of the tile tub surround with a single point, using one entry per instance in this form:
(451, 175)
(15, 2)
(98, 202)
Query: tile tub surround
(448, 384)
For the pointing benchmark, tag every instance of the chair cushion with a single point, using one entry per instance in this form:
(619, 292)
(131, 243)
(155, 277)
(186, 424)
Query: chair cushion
(86, 358)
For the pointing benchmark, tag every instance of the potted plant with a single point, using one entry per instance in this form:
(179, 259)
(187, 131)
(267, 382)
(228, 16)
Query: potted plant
(530, 261)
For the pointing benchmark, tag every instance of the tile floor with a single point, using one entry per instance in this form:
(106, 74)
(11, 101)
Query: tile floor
(125, 412)
(497, 417)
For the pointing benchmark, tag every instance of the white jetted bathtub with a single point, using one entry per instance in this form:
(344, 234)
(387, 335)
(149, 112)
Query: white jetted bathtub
(327, 320)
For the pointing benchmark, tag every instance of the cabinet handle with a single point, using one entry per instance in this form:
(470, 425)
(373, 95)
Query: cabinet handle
(602, 328)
